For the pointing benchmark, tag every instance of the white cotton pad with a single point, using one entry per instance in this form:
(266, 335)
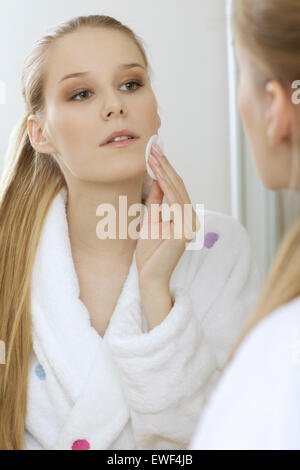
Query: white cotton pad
(154, 139)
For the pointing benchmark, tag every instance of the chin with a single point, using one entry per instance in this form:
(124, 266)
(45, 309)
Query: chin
(273, 184)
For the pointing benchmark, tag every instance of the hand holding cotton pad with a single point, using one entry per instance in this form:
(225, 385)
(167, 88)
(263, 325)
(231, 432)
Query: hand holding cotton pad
(154, 139)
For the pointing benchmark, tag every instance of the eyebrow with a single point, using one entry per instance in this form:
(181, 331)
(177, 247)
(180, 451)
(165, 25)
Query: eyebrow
(79, 74)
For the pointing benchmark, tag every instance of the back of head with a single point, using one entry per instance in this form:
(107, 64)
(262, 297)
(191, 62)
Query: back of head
(29, 183)
(269, 30)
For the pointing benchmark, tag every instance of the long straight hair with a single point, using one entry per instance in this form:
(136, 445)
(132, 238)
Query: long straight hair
(30, 181)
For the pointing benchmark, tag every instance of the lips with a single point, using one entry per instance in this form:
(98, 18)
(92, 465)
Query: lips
(120, 134)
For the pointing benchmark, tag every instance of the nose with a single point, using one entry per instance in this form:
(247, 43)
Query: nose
(115, 108)
(115, 112)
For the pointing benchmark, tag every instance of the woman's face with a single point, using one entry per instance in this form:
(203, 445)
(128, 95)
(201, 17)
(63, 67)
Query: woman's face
(83, 111)
(273, 162)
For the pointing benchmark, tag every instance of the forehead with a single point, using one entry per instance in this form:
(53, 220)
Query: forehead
(99, 50)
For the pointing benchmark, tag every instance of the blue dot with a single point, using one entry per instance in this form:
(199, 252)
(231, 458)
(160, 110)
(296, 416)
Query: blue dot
(39, 372)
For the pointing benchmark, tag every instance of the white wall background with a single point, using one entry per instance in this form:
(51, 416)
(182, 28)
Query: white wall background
(186, 46)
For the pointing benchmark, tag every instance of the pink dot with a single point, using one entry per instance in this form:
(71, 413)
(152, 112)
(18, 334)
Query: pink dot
(210, 239)
(81, 444)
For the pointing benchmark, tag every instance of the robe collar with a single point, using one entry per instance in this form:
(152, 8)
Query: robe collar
(69, 348)
(61, 321)
(64, 340)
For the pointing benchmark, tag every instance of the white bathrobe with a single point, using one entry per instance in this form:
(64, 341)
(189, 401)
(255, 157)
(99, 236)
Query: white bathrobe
(133, 389)
(256, 404)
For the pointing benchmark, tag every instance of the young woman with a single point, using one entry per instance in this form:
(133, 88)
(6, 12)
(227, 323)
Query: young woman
(111, 343)
(256, 404)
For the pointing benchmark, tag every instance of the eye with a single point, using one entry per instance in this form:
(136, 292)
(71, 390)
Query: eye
(139, 84)
(78, 94)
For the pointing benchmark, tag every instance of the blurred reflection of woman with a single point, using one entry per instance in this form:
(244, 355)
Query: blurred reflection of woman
(256, 404)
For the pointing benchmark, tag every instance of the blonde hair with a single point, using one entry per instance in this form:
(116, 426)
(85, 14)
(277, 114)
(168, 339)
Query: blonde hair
(29, 183)
(270, 32)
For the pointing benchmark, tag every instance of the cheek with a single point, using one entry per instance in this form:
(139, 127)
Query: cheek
(146, 112)
(70, 136)
(72, 130)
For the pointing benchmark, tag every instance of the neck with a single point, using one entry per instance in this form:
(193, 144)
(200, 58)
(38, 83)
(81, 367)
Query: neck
(83, 205)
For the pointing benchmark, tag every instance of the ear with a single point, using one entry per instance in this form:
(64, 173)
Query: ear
(278, 122)
(37, 136)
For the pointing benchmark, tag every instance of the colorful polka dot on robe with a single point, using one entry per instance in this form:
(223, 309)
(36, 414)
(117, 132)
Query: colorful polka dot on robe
(39, 372)
(210, 239)
(81, 444)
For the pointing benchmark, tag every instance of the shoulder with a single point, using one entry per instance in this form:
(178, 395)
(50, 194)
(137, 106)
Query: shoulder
(231, 233)
(278, 333)
(267, 355)
(272, 347)
(224, 243)
(221, 278)
(221, 266)
(261, 387)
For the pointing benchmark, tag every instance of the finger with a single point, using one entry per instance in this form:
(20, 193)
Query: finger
(166, 185)
(155, 196)
(171, 192)
(176, 205)
(172, 174)
(192, 223)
